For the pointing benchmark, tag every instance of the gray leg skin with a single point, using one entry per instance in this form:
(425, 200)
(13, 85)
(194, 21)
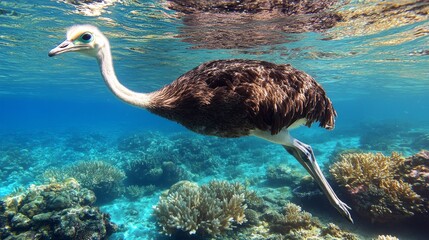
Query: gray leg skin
(304, 154)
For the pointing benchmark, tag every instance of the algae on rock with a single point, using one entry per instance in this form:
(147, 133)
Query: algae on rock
(55, 211)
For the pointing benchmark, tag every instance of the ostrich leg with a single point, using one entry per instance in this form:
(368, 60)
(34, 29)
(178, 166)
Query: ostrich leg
(304, 154)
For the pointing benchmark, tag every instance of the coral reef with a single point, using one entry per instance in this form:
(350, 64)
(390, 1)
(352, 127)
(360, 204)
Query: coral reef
(381, 137)
(103, 178)
(210, 209)
(283, 175)
(161, 161)
(383, 188)
(198, 152)
(307, 188)
(134, 192)
(154, 171)
(416, 173)
(386, 237)
(357, 169)
(200, 157)
(294, 223)
(191, 211)
(303, 186)
(55, 211)
(332, 231)
(14, 159)
(154, 159)
(150, 142)
(85, 142)
(292, 219)
(391, 137)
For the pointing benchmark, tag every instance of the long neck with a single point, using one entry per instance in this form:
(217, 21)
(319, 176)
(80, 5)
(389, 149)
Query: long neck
(104, 58)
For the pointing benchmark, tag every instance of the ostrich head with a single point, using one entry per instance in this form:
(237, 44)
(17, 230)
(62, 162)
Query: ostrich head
(85, 39)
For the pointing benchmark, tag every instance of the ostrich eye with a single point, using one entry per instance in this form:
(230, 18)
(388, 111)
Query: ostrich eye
(86, 37)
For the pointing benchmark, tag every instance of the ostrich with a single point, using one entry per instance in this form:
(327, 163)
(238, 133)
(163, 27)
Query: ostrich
(228, 98)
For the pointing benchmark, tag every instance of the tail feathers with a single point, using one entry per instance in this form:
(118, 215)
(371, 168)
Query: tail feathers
(328, 120)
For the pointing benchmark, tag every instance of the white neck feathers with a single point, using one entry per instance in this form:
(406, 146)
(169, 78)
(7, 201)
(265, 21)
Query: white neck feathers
(105, 62)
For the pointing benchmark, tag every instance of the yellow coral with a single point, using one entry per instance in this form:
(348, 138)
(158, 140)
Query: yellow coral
(295, 216)
(376, 185)
(356, 169)
(402, 196)
(399, 188)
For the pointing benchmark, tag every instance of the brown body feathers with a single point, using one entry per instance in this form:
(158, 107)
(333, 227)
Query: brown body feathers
(229, 98)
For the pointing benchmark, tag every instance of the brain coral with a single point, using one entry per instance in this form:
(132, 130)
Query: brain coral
(378, 185)
(210, 209)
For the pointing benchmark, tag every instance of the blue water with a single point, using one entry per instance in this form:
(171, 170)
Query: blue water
(378, 82)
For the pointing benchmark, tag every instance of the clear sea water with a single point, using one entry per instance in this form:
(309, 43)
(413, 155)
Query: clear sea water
(377, 79)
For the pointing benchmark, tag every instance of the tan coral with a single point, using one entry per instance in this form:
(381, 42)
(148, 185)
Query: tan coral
(297, 218)
(386, 237)
(333, 232)
(377, 187)
(210, 209)
(400, 189)
(356, 169)
(296, 223)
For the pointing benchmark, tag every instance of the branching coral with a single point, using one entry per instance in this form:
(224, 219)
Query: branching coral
(357, 169)
(416, 173)
(101, 177)
(332, 231)
(293, 219)
(393, 199)
(210, 209)
(294, 223)
(377, 185)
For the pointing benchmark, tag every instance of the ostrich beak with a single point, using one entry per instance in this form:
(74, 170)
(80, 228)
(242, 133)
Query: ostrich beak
(65, 46)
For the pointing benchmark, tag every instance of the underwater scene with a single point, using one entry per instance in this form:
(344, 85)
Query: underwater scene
(79, 161)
